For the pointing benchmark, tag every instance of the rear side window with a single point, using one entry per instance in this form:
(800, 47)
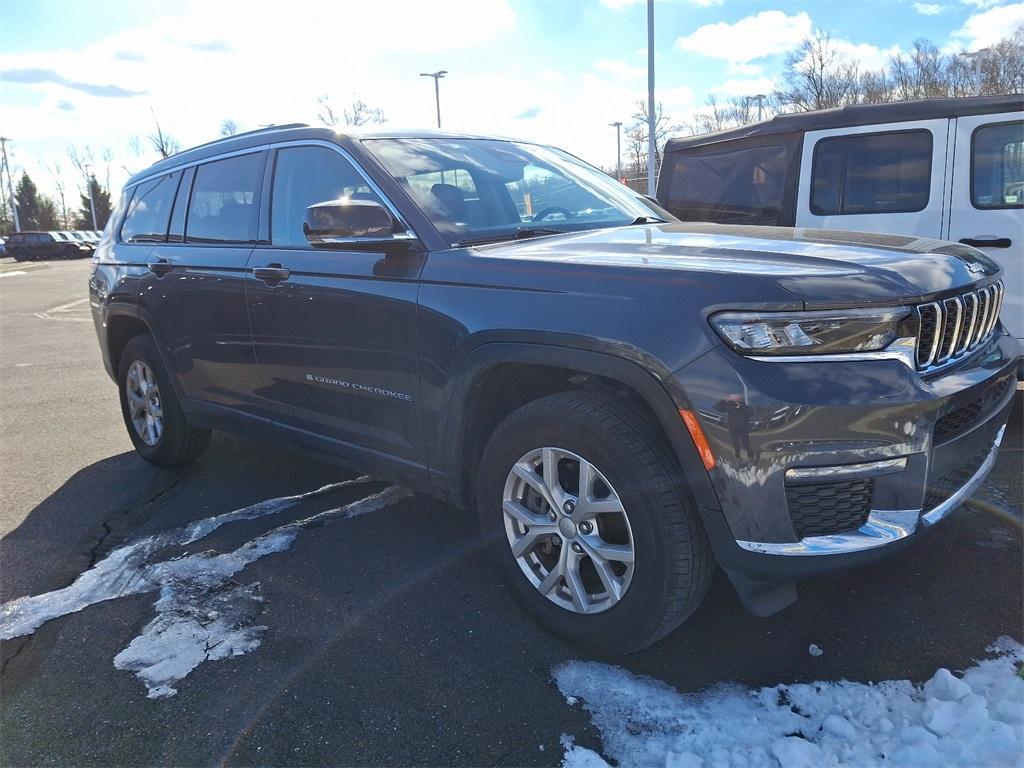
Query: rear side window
(149, 210)
(997, 166)
(304, 176)
(224, 203)
(741, 186)
(872, 173)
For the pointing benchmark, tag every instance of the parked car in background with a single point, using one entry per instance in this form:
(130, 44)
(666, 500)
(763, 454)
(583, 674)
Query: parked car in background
(3, 247)
(625, 399)
(943, 169)
(33, 246)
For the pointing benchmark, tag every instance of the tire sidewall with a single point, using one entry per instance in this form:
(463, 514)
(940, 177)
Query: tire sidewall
(638, 612)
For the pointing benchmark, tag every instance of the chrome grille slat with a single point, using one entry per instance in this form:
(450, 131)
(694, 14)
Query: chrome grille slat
(952, 327)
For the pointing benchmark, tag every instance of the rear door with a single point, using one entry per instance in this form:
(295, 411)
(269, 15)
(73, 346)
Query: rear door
(987, 198)
(335, 330)
(881, 178)
(195, 294)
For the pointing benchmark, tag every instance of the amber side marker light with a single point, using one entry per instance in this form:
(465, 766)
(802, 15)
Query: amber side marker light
(697, 435)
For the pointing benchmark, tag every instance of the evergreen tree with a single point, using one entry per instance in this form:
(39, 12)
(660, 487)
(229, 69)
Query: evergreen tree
(101, 199)
(35, 211)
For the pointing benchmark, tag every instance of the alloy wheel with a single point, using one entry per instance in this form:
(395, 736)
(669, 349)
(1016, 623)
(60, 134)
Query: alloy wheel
(144, 405)
(568, 530)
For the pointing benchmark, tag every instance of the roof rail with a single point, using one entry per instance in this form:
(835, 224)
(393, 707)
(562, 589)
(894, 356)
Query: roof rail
(264, 129)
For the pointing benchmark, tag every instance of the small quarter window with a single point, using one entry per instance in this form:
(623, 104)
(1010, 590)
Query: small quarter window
(872, 173)
(149, 210)
(997, 166)
(304, 176)
(224, 203)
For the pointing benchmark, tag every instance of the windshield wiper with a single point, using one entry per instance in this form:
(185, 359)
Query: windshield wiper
(647, 220)
(518, 234)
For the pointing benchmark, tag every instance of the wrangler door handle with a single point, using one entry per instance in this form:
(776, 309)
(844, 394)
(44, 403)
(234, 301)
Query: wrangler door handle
(160, 266)
(272, 273)
(987, 242)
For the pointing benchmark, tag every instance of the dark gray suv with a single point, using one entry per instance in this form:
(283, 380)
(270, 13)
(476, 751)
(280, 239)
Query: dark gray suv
(625, 399)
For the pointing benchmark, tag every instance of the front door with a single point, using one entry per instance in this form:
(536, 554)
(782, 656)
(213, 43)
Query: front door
(335, 330)
(988, 195)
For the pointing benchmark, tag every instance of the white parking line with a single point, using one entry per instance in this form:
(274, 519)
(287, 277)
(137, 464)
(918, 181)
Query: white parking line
(14, 272)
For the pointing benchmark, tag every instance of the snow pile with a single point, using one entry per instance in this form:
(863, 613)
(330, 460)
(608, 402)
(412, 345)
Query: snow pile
(201, 614)
(973, 720)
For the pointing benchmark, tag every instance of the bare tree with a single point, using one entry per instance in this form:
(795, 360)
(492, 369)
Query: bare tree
(228, 128)
(817, 75)
(736, 111)
(921, 74)
(636, 137)
(356, 114)
(162, 142)
(58, 183)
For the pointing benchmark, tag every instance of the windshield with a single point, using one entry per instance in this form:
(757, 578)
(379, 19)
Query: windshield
(481, 190)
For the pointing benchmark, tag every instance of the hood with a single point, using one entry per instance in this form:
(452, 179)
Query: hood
(823, 268)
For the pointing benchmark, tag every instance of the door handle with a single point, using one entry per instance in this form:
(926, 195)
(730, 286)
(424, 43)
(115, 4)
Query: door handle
(987, 242)
(160, 266)
(272, 273)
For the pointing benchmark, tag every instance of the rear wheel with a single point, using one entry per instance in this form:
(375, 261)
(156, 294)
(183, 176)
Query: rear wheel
(151, 410)
(587, 517)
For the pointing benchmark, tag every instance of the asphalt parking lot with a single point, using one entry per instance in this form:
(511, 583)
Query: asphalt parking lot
(386, 639)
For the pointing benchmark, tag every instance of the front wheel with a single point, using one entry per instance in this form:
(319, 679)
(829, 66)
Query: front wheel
(587, 517)
(151, 410)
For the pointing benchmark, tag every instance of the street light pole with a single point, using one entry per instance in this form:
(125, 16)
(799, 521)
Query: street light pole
(976, 57)
(437, 90)
(651, 122)
(760, 106)
(10, 184)
(92, 204)
(618, 149)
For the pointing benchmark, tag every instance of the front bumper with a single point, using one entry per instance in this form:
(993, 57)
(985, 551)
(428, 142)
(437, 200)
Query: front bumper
(821, 466)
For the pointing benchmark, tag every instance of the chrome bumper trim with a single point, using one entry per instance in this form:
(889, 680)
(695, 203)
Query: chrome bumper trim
(882, 526)
(866, 469)
(933, 516)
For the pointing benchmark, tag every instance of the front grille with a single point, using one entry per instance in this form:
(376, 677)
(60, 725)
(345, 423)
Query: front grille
(951, 328)
(940, 490)
(966, 416)
(821, 509)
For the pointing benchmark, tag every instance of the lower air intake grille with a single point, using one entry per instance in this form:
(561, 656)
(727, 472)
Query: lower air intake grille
(966, 416)
(941, 489)
(820, 509)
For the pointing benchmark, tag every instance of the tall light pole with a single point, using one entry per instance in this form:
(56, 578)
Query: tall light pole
(760, 105)
(437, 90)
(651, 122)
(618, 149)
(92, 205)
(10, 184)
(976, 58)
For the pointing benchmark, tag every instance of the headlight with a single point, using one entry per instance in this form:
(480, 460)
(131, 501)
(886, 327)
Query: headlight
(826, 332)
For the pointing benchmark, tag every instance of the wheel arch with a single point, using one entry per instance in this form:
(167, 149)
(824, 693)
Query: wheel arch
(473, 412)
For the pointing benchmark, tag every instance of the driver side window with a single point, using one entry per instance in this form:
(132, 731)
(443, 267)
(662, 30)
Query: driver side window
(304, 176)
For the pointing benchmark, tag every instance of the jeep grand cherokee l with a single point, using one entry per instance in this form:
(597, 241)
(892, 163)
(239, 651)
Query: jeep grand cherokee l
(626, 400)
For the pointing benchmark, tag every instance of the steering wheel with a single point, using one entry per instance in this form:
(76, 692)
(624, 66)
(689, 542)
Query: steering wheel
(552, 209)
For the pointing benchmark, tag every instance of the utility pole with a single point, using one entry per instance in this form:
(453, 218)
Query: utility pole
(437, 90)
(89, 182)
(10, 184)
(618, 149)
(651, 121)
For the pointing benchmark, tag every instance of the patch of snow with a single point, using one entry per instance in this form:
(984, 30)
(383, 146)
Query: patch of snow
(201, 615)
(976, 719)
(580, 757)
(815, 650)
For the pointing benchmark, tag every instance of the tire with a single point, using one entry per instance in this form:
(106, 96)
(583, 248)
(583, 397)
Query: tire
(175, 442)
(672, 562)
(18, 254)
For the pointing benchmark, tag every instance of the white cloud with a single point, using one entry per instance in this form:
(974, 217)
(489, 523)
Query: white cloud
(618, 5)
(929, 9)
(982, 3)
(988, 27)
(868, 57)
(619, 68)
(750, 38)
(747, 87)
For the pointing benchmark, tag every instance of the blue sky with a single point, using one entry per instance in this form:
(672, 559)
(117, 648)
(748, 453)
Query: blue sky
(93, 73)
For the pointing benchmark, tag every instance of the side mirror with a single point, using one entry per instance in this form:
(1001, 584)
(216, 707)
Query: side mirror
(346, 221)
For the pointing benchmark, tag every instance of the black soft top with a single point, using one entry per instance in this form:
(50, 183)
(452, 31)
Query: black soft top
(858, 114)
